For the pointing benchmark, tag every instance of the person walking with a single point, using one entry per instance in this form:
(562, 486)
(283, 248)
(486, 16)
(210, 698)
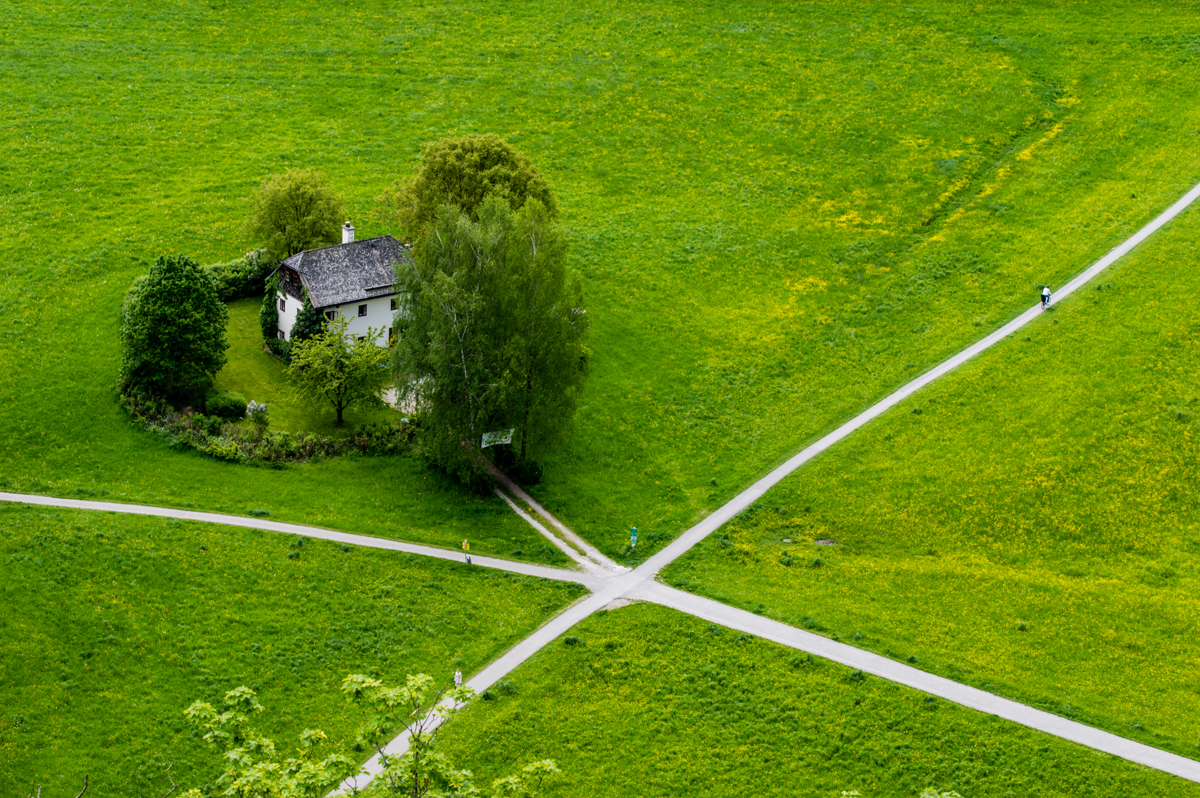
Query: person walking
(457, 677)
(1045, 295)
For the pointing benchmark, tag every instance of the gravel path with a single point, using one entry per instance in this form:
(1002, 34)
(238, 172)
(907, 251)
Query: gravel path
(529, 569)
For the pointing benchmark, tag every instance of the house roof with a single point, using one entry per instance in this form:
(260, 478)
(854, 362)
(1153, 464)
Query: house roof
(348, 272)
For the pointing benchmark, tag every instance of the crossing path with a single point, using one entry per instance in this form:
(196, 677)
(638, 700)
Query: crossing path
(608, 582)
(640, 583)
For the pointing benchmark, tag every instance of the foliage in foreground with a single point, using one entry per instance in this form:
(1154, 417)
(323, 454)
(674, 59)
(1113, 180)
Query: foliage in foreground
(643, 702)
(295, 211)
(333, 368)
(150, 614)
(254, 768)
(172, 331)
(495, 332)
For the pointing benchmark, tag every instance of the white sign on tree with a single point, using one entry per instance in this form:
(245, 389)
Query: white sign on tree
(493, 438)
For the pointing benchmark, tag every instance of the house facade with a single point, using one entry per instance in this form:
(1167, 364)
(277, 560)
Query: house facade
(354, 279)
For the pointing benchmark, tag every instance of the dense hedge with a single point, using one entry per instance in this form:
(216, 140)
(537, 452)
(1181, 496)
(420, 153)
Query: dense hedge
(242, 278)
(245, 442)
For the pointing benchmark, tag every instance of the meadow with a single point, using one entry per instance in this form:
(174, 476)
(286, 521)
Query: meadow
(643, 701)
(779, 212)
(113, 625)
(1028, 524)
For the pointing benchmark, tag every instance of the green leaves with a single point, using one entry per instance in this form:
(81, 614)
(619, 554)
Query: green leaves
(495, 332)
(253, 770)
(329, 369)
(172, 331)
(295, 211)
(464, 171)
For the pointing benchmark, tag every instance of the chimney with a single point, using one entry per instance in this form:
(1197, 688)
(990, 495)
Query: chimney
(347, 233)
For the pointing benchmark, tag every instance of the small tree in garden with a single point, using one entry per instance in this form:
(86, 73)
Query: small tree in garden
(463, 171)
(172, 331)
(295, 211)
(309, 322)
(329, 370)
(268, 314)
(252, 766)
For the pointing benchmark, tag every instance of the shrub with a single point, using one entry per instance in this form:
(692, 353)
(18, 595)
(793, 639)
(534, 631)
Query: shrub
(268, 314)
(527, 472)
(280, 349)
(241, 278)
(226, 404)
(257, 414)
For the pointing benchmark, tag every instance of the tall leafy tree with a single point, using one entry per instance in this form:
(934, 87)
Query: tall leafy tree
(295, 211)
(447, 357)
(333, 369)
(172, 331)
(545, 331)
(463, 171)
(494, 331)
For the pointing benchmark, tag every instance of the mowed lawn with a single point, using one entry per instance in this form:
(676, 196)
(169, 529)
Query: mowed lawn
(779, 212)
(1029, 524)
(642, 701)
(113, 625)
(257, 375)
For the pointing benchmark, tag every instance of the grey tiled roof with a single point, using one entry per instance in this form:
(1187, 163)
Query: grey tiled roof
(349, 272)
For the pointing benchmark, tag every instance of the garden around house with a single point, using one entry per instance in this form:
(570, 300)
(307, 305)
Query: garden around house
(780, 214)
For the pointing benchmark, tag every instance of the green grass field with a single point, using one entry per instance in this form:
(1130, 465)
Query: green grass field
(653, 703)
(1051, 483)
(113, 625)
(780, 212)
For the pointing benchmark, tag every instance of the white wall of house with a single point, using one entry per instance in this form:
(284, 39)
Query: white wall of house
(288, 311)
(379, 314)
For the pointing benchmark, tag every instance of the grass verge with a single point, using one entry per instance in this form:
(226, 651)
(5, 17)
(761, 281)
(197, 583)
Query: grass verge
(113, 625)
(643, 701)
(1028, 524)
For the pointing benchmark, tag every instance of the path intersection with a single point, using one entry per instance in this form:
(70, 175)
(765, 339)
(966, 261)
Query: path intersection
(609, 582)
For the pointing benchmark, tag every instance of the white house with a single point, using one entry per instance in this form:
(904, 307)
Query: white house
(353, 279)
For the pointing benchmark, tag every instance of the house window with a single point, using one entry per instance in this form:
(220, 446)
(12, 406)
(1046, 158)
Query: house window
(362, 338)
(362, 310)
(395, 303)
(392, 334)
(282, 335)
(331, 315)
(282, 304)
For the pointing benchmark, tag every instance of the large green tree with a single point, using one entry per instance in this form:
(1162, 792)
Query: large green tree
(494, 332)
(334, 369)
(295, 211)
(172, 331)
(463, 171)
